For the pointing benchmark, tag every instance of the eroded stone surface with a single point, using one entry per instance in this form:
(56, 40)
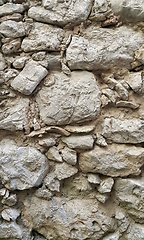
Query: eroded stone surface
(12, 29)
(21, 167)
(70, 99)
(10, 231)
(69, 155)
(2, 62)
(88, 52)
(113, 160)
(10, 8)
(64, 170)
(79, 142)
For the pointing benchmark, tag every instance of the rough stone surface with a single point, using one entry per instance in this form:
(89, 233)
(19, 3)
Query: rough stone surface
(12, 46)
(10, 8)
(79, 142)
(126, 131)
(80, 129)
(135, 81)
(88, 52)
(53, 154)
(10, 214)
(21, 167)
(43, 37)
(61, 13)
(64, 170)
(10, 231)
(106, 185)
(2, 62)
(114, 160)
(70, 99)
(29, 78)
(51, 182)
(93, 178)
(12, 29)
(69, 155)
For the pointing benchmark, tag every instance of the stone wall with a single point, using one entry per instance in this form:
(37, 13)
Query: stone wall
(72, 120)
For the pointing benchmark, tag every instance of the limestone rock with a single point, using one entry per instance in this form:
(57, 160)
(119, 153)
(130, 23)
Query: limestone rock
(14, 17)
(53, 154)
(12, 29)
(102, 197)
(70, 99)
(110, 94)
(131, 193)
(21, 167)
(29, 78)
(69, 155)
(19, 63)
(127, 104)
(93, 178)
(10, 214)
(135, 231)
(79, 142)
(10, 8)
(106, 185)
(10, 231)
(51, 182)
(43, 193)
(139, 55)
(80, 129)
(88, 52)
(100, 140)
(135, 81)
(47, 142)
(113, 160)
(112, 236)
(64, 170)
(12, 46)
(43, 37)
(2, 62)
(14, 115)
(126, 131)
(122, 92)
(68, 219)
(61, 12)
(9, 200)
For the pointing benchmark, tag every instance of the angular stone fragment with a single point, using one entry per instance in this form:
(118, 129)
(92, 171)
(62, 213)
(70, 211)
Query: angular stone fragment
(11, 46)
(2, 62)
(53, 154)
(110, 94)
(14, 115)
(122, 92)
(10, 8)
(139, 55)
(21, 167)
(135, 81)
(68, 219)
(70, 99)
(47, 142)
(106, 185)
(69, 155)
(10, 214)
(135, 231)
(43, 37)
(61, 12)
(100, 140)
(10, 231)
(51, 182)
(102, 197)
(43, 193)
(29, 78)
(130, 192)
(93, 178)
(114, 160)
(14, 17)
(12, 29)
(9, 200)
(19, 63)
(112, 236)
(79, 142)
(126, 104)
(64, 170)
(103, 48)
(126, 131)
(80, 129)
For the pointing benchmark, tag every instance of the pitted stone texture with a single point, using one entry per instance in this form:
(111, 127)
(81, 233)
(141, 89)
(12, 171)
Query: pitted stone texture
(10, 231)
(103, 48)
(14, 115)
(126, 131)
(113, 160)
(69, 99)
(10, 8)
(64, 170)
(21, 167)
(68, 219)
(79, 142)
(2, 62)
(43, 37)
(12, 46)
(61, 12)
(69, 155)
(132, 10)
(130, 192)
(12, 29)
(135, 231)
(29, 78)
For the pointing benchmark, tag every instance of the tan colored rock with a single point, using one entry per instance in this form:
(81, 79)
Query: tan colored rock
(19, 63)
(79, 142)
(53, 154)
(2, 62)
(12, 46)
(102, 197)
(14, 17)
(135, 81)
(80, 129)
(12, 29)
(47, 142)
(43, 193)
(113, 160)
(93, 178)
(126, 104)
(69, 155)
(10, 8)
(106, 185)
(139, 55)
(51, 182)
(64, 170)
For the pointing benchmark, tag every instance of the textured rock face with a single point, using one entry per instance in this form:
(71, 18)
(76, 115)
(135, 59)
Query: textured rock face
(114, 160)
(12, 29)
(2, 62)
(61, 12)
(89, 53)
(69, 99)
(21, 167)
(10, 8)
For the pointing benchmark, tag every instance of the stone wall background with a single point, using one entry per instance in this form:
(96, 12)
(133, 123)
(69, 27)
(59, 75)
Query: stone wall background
(72, 120)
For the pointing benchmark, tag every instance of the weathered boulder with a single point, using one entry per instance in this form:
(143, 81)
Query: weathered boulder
(103, 48)
(10, 8)
(61, 12)
(21, 167)
(12, 29)
(29, 78)
(14, 115)
(43, 37)
(68, 219)
(126, 131)
(69, 99)
(130, 193)
(113, 160)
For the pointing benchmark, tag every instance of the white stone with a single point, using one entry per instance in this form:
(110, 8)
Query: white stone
(102, 48)
(10, 214)
(69, 155)
(12, 46)
(10, 231)
(61, 13)
(51, 182)
(47, 142)
(9, 200)
(53, 154)
(93, 178)
(135, 231)
(19, 63)
(135, 81)
(29, 78)
(79, 142)
(43, 37)
(80, 129)
(21, 167)
(64, 170)
(43, 193)
(106, 185)
(100, 140)
(10, 8)
(2, 62)
(70, 99)
(102, 197)
(12, 29)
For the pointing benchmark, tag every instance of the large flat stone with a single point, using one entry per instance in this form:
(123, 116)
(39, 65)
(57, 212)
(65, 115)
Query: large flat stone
(61, 12)
(101, 48)
(43, 37)
(69, 99)
(12, 29)
(79, 142)
(14, 115)
(126, 131)
(21, 167)
(29, 78)
(113, 160)
(10, 8)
